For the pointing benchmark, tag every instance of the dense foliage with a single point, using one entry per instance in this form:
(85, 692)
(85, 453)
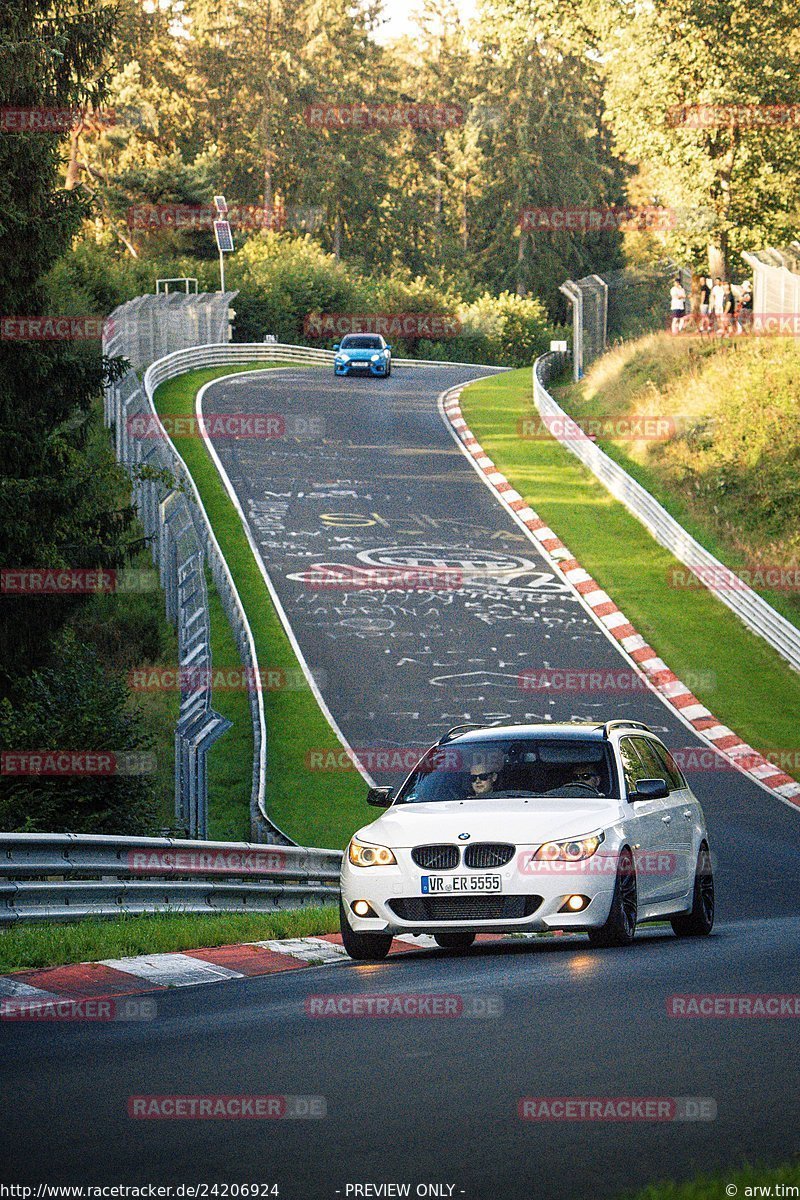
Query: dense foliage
(60, 497)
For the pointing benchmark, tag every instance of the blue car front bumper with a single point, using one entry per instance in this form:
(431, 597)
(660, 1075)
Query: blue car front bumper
(357, 364)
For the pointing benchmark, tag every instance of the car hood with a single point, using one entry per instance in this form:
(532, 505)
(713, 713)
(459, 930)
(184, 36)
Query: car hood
(361, 355)
(523, 822)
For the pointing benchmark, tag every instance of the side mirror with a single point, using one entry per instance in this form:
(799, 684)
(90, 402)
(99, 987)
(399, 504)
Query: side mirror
(380, 797)
(336, 345)
(388, 347)
(650, 789)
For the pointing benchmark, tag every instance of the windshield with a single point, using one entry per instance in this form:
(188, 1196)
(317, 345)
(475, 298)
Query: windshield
(464, 770)
(361, 342)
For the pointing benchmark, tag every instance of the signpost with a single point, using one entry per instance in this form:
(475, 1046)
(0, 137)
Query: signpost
(224, 236)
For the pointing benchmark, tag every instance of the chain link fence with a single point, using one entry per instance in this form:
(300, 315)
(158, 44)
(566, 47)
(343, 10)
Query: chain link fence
(618, 305)
(149, 327)
(182, 542)
(776, 281)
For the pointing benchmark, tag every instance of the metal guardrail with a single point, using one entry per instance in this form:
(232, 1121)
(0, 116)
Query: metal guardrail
(64, 876)
(180, 532)
(752, 609)
(246, 352)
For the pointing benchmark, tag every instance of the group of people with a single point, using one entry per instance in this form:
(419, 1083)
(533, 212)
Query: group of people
(714, 306)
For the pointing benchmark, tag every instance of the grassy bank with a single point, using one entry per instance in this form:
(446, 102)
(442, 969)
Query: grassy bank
(727, 465)
(90, 940)
(316, 808)
(231, 760)
(745, 683)
(748, 1181)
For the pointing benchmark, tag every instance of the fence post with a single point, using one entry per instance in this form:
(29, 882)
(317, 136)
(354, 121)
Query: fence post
(575, 298)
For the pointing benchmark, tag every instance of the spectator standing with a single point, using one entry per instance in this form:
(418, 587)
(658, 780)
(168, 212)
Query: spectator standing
(745, 311)
(717, 298)
(705, 303)
(677, 300)
(728, 309)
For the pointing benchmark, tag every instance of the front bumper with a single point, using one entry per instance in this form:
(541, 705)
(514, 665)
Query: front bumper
(377, 369)
(533, 900)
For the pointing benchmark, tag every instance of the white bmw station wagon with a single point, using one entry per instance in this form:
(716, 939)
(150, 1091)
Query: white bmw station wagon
(526, 828)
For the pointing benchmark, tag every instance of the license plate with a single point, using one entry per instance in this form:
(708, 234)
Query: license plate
(437, 885)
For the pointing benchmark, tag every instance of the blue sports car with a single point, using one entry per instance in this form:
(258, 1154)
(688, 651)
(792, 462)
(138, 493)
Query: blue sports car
(363, 352)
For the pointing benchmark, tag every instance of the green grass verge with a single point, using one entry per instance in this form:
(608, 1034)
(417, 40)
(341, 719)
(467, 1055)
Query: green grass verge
(229, 772)
(320, 808)
(741, 679)
(748, 1182)
(52, 945)
(729, 470)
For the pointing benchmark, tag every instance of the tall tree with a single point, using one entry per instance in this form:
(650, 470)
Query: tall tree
(549, 148)
(54, 494)
(727, 173)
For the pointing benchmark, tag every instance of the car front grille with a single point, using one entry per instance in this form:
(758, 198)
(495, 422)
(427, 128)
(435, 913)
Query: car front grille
(488, 854)
(435, 858)
(465, 908)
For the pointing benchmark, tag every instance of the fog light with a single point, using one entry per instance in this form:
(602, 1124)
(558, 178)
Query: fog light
(361, 908)
(575, 904)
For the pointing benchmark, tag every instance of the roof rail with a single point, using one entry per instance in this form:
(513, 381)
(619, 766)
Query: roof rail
(458, 729)
(620, 722)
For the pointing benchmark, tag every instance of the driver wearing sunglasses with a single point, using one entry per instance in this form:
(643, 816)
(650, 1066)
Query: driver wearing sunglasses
(588, 774)
(482, 779)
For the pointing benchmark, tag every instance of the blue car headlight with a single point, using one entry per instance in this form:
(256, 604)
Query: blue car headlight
(342, 358)
(376, 358)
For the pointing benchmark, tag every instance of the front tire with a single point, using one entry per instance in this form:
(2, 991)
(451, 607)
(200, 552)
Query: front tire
(700, 920)
(454, 941)
(363, 947)
(620, 926)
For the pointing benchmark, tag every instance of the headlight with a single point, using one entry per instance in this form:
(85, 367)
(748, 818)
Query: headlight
(361, 855)
(376, 358)
(572, 850)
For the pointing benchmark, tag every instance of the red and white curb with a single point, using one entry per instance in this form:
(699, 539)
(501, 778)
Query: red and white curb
(606, 613)
(74, 991)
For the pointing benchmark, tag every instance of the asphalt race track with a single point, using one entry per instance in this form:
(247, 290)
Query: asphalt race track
(435, 1101)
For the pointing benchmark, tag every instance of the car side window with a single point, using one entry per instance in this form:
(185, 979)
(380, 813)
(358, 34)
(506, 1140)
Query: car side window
(654, 767)
(632, 765)
(674, 777)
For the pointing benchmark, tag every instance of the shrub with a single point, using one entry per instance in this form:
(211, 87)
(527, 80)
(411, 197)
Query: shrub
(76, 705)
